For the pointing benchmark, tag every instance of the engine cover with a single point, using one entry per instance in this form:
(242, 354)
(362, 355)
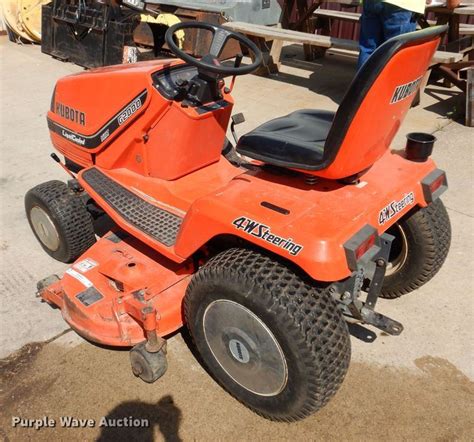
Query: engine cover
(92, 108)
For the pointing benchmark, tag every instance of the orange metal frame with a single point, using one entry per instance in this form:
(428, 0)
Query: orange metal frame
(171, 156)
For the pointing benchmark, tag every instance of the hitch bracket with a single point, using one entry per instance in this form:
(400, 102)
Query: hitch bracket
(351, 290)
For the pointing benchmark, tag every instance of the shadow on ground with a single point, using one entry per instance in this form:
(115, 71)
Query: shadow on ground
(144, 418)
(449, 102)
(329, 76)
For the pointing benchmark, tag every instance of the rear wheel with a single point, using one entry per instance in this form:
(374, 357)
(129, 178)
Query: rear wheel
(419, 250)
(273, 341)
(60, 221)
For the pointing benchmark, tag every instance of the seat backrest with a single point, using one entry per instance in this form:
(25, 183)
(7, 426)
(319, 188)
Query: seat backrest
(376, 103)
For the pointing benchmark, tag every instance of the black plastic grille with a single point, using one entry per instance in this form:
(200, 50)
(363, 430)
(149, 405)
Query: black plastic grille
(155, 222)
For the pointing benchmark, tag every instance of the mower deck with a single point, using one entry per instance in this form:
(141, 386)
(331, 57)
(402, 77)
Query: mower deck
(119, 290)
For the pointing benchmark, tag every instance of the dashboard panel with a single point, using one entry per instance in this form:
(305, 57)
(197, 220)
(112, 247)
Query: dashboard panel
(168, 80)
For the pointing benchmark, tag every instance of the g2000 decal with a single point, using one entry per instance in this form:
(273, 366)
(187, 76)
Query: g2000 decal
(95, 140)
(129, 111)
(264, 232)
(390, 210)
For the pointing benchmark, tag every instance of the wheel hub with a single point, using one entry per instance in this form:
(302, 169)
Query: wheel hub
(44, 228)
(399, 252)
(239, 351)
(245, 348)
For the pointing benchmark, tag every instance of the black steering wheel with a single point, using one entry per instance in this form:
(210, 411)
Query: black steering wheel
(210, 62)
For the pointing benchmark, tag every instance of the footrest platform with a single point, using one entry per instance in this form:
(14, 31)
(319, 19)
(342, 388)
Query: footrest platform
(161, 225)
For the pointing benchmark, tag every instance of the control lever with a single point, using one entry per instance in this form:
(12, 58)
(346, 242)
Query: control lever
(236, 119)
(237, 63)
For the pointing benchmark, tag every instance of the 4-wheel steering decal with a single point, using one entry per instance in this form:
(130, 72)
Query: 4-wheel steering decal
(390, 210)
(264, 232)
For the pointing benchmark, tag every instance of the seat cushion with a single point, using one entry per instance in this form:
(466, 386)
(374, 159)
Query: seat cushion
(295, 140)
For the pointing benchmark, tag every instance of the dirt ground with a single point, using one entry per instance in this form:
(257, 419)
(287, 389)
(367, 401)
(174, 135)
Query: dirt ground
(88, 382)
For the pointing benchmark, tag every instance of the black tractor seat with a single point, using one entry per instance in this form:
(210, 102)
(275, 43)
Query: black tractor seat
(291, 141)
(347, 142)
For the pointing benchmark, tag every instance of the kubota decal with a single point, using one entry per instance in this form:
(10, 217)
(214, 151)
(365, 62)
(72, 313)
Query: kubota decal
(390, 210)
(405, 90)
(95, 140)
(264, 232)
(69, 113)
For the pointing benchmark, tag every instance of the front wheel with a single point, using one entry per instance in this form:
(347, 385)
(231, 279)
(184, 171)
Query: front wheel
(273, 341)
(421, 244)
(60, 221)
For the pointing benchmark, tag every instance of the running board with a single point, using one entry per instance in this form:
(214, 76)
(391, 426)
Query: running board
(159, 224)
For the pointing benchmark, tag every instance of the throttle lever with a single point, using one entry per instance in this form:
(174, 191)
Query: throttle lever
(237, 63)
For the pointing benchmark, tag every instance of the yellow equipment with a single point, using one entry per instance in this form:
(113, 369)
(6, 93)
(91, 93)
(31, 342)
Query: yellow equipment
(168, 20)
(23, 17)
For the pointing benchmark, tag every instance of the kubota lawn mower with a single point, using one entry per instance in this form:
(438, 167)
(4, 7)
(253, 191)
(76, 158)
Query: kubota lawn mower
(264, 251)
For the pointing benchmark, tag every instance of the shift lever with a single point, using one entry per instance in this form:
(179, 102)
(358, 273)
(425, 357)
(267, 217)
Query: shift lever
(238, 61)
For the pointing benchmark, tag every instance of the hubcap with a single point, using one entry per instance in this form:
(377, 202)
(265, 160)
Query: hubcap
(399, 251)
(245, 347)
(44, 228)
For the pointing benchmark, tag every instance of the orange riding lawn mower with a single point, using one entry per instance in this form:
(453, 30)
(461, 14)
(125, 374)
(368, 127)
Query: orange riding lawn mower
(265, 250)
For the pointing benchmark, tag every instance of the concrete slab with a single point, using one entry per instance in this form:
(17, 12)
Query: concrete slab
(27, 79)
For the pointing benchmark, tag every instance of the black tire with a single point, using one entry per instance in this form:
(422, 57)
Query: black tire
(67, 212)
(421, 245)
(305, 322)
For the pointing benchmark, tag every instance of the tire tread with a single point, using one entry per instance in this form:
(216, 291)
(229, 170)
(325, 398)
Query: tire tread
(433, 225)
(69, 212)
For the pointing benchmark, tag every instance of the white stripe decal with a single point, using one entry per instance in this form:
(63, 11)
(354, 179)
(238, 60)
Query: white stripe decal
(81, 278)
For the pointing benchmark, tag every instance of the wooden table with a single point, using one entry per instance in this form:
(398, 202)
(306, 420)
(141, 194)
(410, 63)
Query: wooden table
(305, 22)
(445, 15)
(456, 46)
(262, 35)
(460, 40)
(464, 44)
